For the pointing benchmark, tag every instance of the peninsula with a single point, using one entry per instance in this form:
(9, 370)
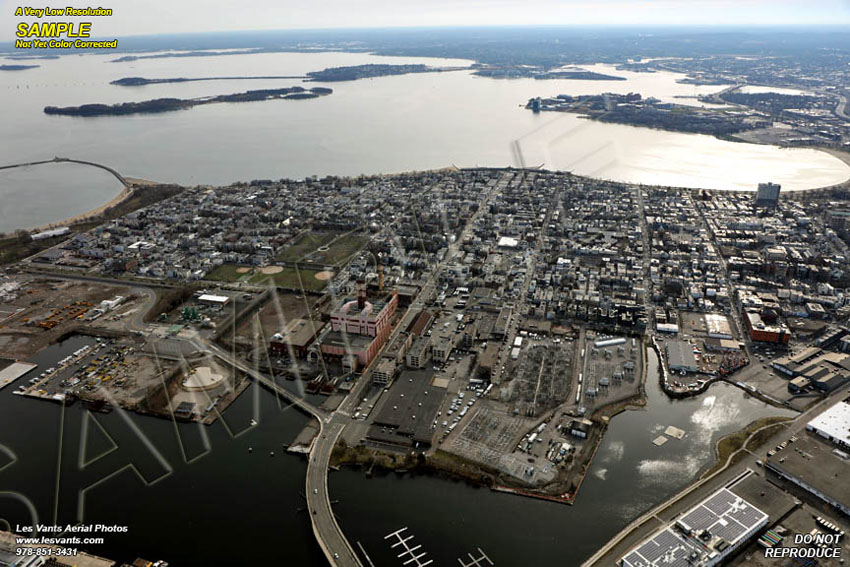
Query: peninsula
(635, 110)
(354, 72)
(540, 72)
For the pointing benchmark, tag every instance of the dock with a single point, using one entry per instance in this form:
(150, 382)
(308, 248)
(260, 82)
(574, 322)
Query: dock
(15, 371)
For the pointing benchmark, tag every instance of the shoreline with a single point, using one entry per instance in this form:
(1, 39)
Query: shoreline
(129, 186)
(122, 196)
(443, 464)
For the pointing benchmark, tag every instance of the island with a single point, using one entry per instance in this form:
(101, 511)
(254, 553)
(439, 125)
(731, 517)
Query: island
(141, 81)
(17, 67)
(169, 104)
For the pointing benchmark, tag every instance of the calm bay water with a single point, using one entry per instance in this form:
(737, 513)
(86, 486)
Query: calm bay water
(381, 125)
(196, 496)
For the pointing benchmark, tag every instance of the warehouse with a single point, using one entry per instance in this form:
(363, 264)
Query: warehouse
(833, 424)
(705, 535)
(680, 356)
(817, 468)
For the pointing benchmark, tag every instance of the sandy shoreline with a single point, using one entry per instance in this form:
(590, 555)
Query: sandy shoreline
(125, 193)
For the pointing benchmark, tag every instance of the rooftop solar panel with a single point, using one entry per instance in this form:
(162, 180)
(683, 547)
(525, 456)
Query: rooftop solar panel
(722, 515)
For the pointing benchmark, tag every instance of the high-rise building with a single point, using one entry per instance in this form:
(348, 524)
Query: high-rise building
(768, 195)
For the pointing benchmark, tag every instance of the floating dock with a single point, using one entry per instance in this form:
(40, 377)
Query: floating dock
(15, 371)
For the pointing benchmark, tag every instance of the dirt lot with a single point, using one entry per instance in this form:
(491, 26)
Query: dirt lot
(282, 308)
(39, 311)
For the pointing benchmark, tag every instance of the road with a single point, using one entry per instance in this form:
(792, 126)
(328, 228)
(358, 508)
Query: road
(841, 109)
(117, 175)
(325, 527)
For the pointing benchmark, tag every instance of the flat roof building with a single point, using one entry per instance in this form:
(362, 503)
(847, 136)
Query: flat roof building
(384, 371)
(359, 328)
(705, 535)
(214, 300)
(767, 194)
(680, 356)
(817, 468)
(718, 326)
(410, 407)
(442, 348)
(761, 331)
(297, 335)
(833, 424)
(503, 322)
(363, 317)
(417, 354)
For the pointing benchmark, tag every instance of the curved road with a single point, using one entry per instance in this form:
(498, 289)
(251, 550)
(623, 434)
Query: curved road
(325, 527)
(57, 159)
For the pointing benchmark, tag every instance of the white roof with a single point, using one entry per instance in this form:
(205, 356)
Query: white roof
(508, 242)
(834, 423)
(214, 298)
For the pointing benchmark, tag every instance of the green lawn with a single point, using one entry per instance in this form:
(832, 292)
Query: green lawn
(305, 245)
(340, 248)
(289, 278)
(340, 251)
(226, 273)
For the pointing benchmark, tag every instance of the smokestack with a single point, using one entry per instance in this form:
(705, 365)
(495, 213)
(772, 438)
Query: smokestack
(361, 294)
(380, 277)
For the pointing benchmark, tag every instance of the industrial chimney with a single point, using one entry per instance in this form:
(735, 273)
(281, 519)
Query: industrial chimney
(361, 294)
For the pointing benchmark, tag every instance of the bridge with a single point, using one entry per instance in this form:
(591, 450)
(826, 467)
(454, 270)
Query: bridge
(329, 535)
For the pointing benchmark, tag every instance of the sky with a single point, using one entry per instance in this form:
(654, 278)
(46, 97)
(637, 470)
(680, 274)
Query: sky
(143, 17)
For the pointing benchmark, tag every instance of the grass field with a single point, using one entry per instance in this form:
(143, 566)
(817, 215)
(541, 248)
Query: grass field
(305, 245)
(340, 251)
(226, 273)
(291, 278)
(340, 248)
